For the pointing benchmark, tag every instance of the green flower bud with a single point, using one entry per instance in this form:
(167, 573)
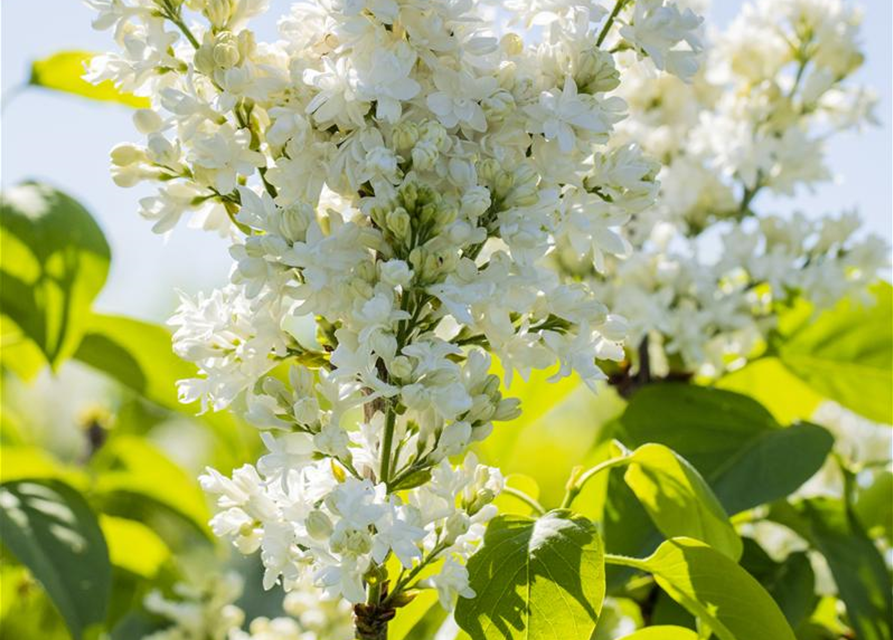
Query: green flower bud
(405, 135)
(595, 72)
(399, 223)
(318, 525)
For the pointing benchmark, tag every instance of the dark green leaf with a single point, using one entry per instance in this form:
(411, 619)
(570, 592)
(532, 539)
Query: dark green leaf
(856, 564)
(745, 456)
(791, 583)
(50, 528)
(535, 579)
(663, 633)
(55, 260)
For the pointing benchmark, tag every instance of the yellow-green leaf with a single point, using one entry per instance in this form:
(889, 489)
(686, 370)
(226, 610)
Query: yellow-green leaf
(133, 546)
(63, 71)
(678, 499)
(130, 466)
(715, 589)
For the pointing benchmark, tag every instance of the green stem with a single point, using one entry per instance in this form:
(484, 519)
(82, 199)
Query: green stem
(173, 15)
(387, 443)
(523, 497)
(576, 486)
(625, 561)
(416, 570)
(618, 6)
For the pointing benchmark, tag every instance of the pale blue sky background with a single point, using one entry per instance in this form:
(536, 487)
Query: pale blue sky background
(66, 140)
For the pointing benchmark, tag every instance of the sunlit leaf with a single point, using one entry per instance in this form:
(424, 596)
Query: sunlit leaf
(507, 503)
(133, 546)
(768, 381)
(714, 589)
(139, 355)
(54, 260)
(63, 71)
(678, 499)
(50, 528)
(33, 463)
(423, 613)
(131, 466)
(535, 579)
(746, 457)
(846, 354)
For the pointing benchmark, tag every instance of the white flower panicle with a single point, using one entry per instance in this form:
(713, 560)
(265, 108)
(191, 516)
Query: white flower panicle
(206, 611)
(776, 84)
(391, 171)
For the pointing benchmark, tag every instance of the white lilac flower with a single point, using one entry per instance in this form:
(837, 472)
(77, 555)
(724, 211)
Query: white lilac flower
(709, 273)
(393, 175)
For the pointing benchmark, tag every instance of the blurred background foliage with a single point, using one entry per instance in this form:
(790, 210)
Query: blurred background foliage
(100, 506)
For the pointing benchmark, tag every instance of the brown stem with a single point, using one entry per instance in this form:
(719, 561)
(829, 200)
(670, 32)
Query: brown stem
(371, 619)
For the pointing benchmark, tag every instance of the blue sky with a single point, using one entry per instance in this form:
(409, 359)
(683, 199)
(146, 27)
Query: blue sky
(65, 140)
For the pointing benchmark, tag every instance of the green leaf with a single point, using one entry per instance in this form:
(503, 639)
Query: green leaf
(139, 355)
(780, 391)
(30, 463)
(133, 546)
(873, 503)
(63, 71)
(130, 466)
(662, 633)
(791, 583)
(50, 528)
(535, 579)
(420, 619)
(745, 456)
(857, 566)
(846, 354)
(742, 452)
(55, 260)
(678, 499)
(715, 589)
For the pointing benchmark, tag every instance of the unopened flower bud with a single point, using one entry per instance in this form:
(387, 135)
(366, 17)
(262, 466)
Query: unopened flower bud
(475, 202)
(218, 12)
(409, 193)
(405, 135)
(499, 105)
(456, 525)
(396, 273)
(434, 132)
(595, 71)
(398, 222)
(507, 409)
(147, 121)
(351, 541)
(424, 155)
(503, 183)
(318, 525)
(126, 154)
(491, 386)
(511, 44)
(400, 367)
(488, 170)
(295, 221)
(162, 151)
